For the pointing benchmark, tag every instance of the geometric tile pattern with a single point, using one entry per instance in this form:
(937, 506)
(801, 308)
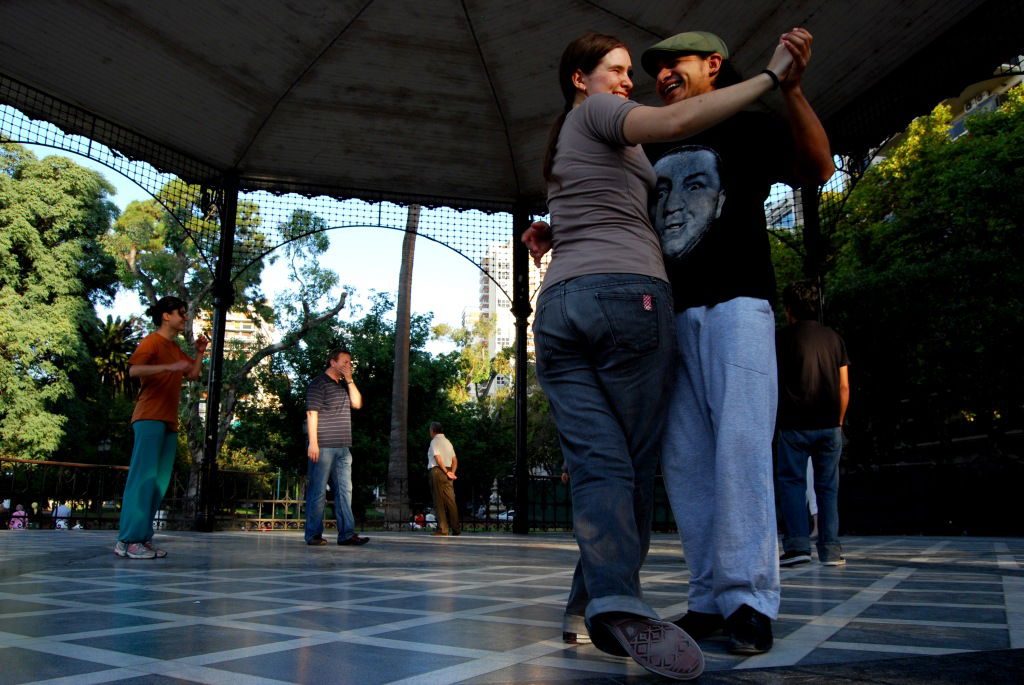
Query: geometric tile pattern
(409, 608)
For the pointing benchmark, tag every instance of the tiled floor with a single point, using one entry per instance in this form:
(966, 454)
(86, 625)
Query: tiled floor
(410, 608)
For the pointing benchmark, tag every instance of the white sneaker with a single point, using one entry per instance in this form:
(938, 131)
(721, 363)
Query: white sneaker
(160, 554)
(120, 549)
(138, 550)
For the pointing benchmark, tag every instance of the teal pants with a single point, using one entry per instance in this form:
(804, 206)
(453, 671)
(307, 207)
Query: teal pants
(148, 478)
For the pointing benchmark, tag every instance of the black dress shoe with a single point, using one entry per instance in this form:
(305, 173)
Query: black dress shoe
(354, 540)
(317, 541)
(749, 631)
(699, 625)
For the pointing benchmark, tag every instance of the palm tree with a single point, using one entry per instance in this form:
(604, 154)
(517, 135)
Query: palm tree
(115, 341)
(397, 511)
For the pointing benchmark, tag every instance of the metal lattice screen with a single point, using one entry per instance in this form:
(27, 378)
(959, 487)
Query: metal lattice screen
(265, 220)
(270, 220)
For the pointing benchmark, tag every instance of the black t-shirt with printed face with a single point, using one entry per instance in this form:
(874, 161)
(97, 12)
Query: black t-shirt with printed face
(708, 208)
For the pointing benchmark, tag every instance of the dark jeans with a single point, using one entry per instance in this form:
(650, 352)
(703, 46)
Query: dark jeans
(605, 358)
(335, 466)
(824, 447)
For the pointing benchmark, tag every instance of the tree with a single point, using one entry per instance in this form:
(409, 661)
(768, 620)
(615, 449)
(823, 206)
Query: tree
(398, 464)
(479, 367)
(926, 282)
(52, 213)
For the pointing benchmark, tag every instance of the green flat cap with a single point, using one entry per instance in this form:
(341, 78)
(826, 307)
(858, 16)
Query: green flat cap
(689, 43)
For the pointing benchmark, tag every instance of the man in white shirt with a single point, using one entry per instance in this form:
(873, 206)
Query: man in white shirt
(441, 466)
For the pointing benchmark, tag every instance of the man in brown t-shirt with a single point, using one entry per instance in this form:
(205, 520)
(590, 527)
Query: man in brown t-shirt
(160, 365)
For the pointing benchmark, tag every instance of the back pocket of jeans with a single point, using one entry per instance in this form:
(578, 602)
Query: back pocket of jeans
(632, 320)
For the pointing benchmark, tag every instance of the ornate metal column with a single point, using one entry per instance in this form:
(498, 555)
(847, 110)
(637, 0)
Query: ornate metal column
(521, 310)
(223, 298)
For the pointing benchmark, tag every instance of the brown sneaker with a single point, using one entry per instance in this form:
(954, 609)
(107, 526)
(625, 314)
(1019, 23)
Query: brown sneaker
(354, 540)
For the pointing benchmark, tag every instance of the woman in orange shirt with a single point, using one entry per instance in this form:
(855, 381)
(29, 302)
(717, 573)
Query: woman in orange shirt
(160, 365)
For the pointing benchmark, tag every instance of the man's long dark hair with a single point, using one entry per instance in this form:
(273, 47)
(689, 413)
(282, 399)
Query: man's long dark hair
(584, 53)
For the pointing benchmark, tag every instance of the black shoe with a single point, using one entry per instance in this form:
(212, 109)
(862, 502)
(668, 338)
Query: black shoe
(659, 646)
(794, 557)
(354, 540)
(318, 540)
(456, 532)
(749, 631)
(699, 625)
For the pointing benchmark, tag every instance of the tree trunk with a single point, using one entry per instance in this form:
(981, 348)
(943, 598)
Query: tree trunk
(397, 508)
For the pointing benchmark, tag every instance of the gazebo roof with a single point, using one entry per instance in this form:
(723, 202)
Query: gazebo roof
(446, 99)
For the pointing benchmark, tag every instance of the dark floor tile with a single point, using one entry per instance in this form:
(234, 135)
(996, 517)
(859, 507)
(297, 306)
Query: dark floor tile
(47, 587)
(532, 673)
(17, 606)
(805, 607)
(952, 576)
(820, 592)
(226, 586)
(251, 573)
(784, 627)
(153, 679)
(828, 655)
(340, 662)
(532, 612)
(516, 591)
(437, 603)
(25, 665)
(122, 595)
(216, 606)
(950, 596)
(482, 577)
(558, 581)
(944, 586)
(936, 613)
(923, 636)
(476, 634)
(175, 643)
(65, 622)
(319, 594)
(334, 620)
(408, 585)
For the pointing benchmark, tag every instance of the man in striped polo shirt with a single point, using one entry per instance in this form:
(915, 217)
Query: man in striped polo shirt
(329, 401)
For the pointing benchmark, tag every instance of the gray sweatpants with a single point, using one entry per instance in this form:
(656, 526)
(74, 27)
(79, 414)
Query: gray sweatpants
(717, 455)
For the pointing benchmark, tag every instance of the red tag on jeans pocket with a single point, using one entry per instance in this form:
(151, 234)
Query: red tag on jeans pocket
(648, 303)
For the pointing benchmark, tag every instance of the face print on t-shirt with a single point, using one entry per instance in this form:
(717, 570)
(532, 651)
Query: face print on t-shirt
(687, 199)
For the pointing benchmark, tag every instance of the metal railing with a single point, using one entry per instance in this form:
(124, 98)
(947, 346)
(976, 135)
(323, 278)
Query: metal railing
(256, 501)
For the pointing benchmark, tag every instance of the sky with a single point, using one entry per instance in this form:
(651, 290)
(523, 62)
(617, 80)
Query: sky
(367, 259)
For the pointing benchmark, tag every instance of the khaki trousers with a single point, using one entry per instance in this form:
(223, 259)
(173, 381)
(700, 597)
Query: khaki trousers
(444, 502)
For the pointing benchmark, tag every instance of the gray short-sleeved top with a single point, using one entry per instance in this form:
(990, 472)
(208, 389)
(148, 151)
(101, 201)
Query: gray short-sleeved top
(597, 197)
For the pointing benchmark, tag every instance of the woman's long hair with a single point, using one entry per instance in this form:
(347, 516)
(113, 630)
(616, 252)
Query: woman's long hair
(584, 53)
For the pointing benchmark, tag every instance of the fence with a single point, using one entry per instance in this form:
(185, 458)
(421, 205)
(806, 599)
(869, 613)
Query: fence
(248, 500)
(252, 500)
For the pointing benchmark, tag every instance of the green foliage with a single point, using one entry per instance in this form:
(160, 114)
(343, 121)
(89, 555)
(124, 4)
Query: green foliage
(926, 282)
(276, 432)
(52, 214)
(478, 368)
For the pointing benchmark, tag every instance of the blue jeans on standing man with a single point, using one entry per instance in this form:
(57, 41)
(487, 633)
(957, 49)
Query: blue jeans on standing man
(335, 466)
(605, 358)
(823, 446)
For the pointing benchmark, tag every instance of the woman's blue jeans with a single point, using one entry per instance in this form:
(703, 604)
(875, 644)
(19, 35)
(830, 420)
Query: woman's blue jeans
(605, 358)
